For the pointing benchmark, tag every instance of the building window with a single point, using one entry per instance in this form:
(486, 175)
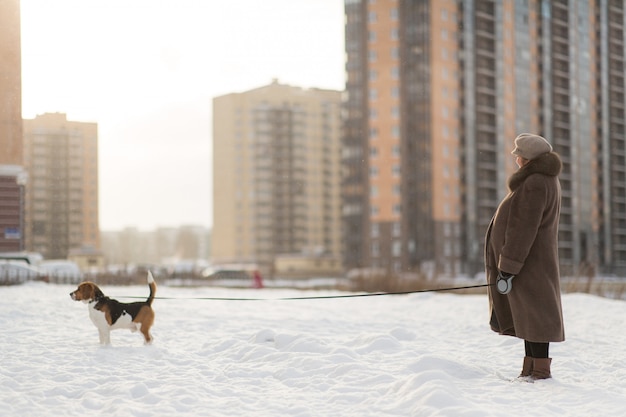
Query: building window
(351, 209)
(396, 248)
(375, 249)
(396, 229)
(375, 230)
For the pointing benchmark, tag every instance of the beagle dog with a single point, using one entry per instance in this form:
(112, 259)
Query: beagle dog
(108, 314)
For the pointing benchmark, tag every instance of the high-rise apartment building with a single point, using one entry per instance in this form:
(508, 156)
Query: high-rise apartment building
(12, 175)
(605, 81)
(436, 92)
(276, 174)
(61, 157)
(10, 83)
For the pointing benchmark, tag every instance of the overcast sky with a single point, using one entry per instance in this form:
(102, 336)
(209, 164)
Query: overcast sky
(146, 71)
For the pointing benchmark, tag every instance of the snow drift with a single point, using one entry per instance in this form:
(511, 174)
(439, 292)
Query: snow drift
(409, 355)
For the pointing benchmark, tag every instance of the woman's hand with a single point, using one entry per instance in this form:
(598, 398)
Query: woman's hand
(504, 282)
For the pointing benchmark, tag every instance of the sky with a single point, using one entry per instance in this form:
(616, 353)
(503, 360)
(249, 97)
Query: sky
(146, 72)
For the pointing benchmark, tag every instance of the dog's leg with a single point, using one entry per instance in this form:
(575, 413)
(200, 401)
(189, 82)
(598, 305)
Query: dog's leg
(146, 335)
(105, 336)
(144, 321)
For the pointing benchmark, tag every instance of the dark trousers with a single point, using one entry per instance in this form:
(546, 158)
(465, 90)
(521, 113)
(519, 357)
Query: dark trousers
(536, 349)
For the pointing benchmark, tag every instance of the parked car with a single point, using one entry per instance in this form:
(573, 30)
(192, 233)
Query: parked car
(17, 272)
(61, 271)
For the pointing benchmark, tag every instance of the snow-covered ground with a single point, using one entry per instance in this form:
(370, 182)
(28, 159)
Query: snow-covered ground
(426, 354)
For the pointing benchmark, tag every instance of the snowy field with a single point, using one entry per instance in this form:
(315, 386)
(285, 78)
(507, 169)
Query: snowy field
(405, 355)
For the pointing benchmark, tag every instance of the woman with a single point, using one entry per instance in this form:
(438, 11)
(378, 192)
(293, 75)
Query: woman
(521, 255)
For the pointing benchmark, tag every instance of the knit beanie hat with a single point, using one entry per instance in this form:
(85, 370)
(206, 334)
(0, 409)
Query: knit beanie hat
(530, 146)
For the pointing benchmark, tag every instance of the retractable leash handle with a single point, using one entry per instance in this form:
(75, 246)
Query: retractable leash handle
(504, 283)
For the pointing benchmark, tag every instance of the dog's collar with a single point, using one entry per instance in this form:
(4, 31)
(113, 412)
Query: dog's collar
(99, 298)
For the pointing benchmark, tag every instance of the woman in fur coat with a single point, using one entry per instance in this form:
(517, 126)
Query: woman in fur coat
(521, 255)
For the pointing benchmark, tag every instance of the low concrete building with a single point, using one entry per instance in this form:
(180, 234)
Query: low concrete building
(12, 182)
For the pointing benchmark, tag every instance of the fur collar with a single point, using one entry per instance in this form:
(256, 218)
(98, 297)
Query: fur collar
(547, 164)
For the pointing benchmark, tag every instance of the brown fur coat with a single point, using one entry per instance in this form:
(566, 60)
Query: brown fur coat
(522, 239)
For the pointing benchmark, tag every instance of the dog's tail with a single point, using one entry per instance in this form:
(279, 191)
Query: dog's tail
(153, 288)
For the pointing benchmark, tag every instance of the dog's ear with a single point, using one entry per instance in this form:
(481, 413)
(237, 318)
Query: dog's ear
(97, 292)
(86, 291)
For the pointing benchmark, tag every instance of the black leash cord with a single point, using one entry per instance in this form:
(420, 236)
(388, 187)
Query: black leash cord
(319, 297)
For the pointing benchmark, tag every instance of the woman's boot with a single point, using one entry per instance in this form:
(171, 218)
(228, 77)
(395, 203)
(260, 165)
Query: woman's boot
(527, 366)
(541, 368)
